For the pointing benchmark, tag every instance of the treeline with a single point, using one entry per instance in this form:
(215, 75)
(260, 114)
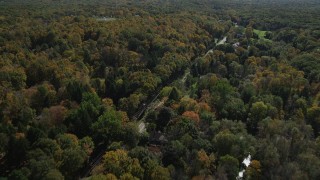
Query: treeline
(273, 15)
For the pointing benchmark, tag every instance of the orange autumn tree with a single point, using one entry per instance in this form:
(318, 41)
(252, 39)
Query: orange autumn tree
(192, 115)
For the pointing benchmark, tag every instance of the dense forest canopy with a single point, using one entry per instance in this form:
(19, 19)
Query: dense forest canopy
(159, 89)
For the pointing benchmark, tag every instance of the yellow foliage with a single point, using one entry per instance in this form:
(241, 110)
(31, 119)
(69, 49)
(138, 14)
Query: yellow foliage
(189, 104)
(256, 165)
(204, 158)
(20, 135)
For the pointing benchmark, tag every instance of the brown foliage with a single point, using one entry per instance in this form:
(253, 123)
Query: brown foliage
(192, 115)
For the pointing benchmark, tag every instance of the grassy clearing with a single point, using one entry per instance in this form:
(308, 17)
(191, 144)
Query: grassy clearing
(261, 34)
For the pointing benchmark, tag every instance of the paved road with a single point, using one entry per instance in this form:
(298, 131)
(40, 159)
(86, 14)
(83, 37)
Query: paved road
(142, 127)
(137, 116)
(222, 41)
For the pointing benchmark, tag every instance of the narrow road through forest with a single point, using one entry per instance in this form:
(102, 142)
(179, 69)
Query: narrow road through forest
(94, 161)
